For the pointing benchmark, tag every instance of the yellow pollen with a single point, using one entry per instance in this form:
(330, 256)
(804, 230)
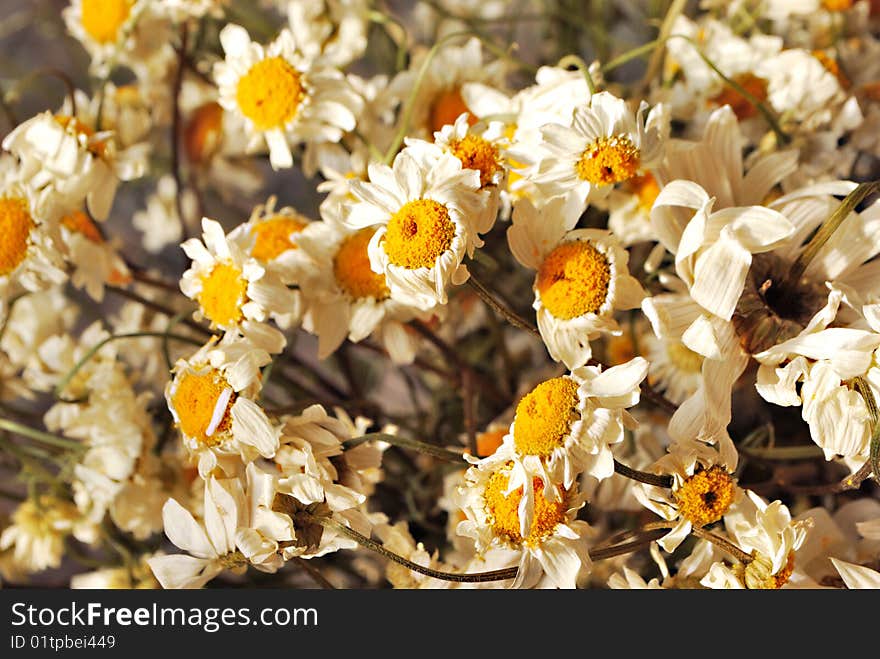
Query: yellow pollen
(573, 280)
(273, 237)
(544, 417)
(195, 401)
(757, 576)
(270, 93)
(740, 105)
(446, 108)
(103, 18)
(837, 5)
(646, 189)
(683, 358)
(203, 132)
(474, 152)
(79, 222)
(504, 511)
(704, 497)
(609, 160)
(351, 267)
(16, 225)
(832, 67)
(98, 148)
(223, 293)
(418, 234)
(489, 441)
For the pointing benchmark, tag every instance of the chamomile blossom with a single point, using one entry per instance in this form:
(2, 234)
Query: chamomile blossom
(283, 97)
(212, 400)
(604, 145)
(234, 291)
(38, 530)
(428, 209)
(104, 27)
(552, 551)
(581, 280)
(345, 298)
(766, 532)
(29, 255)
(703, 488)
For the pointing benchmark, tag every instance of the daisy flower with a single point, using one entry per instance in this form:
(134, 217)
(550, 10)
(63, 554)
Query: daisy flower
(135, 576)
(158, 222)
(29, 256)
(38, 530)
(272, 235)
(480, 147)
(703, 488)
(212, 399)
(103, 27)
(334, 31)
(61, 155)
(427, 207)
(96, 261)
(768, 533)
(581, 280)
(604, 145)
(234, 291)
(345, 298)
(566, 426)
(857, 576)
(552, 550)
(283, 97)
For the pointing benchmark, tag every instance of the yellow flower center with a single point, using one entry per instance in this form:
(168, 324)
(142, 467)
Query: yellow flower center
(504, 511)
(741, 106)
(79, 222)
(270, 93)
(683, 358)
(837, 5)
(609, 160)
(101, 19)
(446, 108)
(646, 189)
(223, 293)
(84, 131)
(351, 267)
(544, 417)
(757, 575)
(704, 497)
(573, 280)
(203, 132)
(273, 237)
(832, 67)
(418, 233)
(16, 225)
(474, 152)
(202, 402)
(489, 441)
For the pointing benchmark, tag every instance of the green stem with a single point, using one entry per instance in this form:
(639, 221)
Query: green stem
(630, 55)
(822, 236)
(404, 442)
(40, 436)
(59, 389)
(574, 60)
(864, 389)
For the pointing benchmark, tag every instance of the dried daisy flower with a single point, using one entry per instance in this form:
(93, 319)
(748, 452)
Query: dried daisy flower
(345, 298)
(604, 145)
(551, 551)
(38, 530)
(703, 488)
(581, 280)
(234, 291)
(284, 97)
(427, 208)
(212, 399)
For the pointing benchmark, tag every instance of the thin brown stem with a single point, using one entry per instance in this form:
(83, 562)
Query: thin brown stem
(500, 307)
(314, 573)
(176, 129)
(724, 544)
(642, 476)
